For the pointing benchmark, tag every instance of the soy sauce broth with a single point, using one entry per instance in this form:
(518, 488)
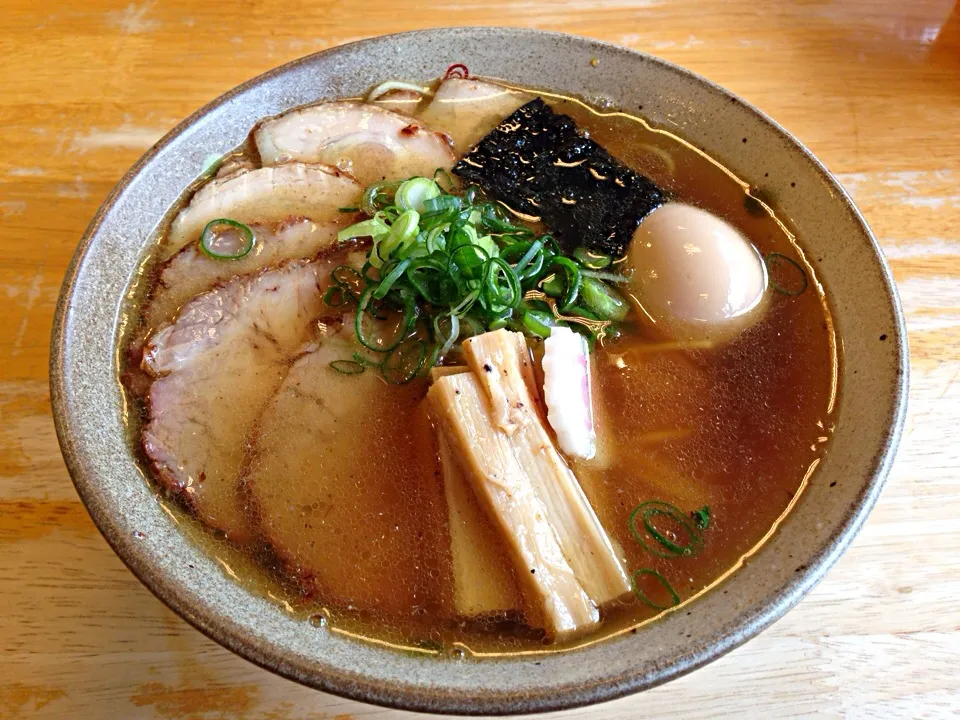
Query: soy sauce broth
(739, 427)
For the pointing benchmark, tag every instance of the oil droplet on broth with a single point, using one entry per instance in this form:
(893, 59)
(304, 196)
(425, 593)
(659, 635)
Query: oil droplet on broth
(320, 619)
(458, 652)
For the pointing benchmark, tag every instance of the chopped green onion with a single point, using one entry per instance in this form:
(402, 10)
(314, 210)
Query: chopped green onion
(647, 512)
(378, 196)
(365, 361)
(440, 204)
(335, 296)
(572, 280)
(403, 364)
(348, 209)
(606, 302)
(348, 280)
(216, 230)
(592, 260)
(391, 278)
(552, 285)
(365, 273)
(501, 296)
(465, 304)
(531, 262)
(400, 236)
(469, 261)
(412, 193)
(488, 244)
(347, 367)
(702, 517)
(448, 337)
(492, 220)
(607, 276)
(370, 338)
(429, 277)
(582, 312)
(374, 227)
(539, 322)
(436, 240)
(345, 275)
(644, 598)
(432, 357)
(786, 275)
(444, 180)
(461, 262)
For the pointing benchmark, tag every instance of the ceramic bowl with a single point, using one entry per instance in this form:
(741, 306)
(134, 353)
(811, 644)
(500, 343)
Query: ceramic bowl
(89, 408)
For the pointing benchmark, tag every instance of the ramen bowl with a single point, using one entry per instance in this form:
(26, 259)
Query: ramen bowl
(90, 410)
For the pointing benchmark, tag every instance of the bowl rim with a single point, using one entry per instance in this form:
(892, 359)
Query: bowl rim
(748, 624)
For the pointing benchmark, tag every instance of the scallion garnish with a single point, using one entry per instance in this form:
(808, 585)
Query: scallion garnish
(446, 264)
(662, 541)
(786, 275)
(444, 180)
(413, 193)
(377, 196)
(347, 367)
(701, 517)
(225, 239)
(611, 277)
(404, 363)
(603, 300)
(664, 583)
(383, 335)
(571, 284)
(538, 322)
(335, 296)
(592, 260)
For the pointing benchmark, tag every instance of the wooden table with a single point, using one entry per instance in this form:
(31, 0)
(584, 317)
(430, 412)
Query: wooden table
(872, 88)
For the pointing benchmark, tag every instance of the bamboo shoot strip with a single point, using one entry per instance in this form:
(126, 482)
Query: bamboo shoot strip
(491, 467)
(484, 582)
(498, 367)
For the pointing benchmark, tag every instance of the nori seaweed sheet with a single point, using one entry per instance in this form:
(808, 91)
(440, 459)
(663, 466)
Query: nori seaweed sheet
(537, 163)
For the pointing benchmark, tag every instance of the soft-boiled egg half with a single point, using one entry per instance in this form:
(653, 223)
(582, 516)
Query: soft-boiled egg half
(696, 277)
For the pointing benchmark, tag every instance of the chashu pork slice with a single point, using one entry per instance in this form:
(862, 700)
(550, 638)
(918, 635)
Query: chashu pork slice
(191, 271)
(265, 195)
(402, 101)
(217, 365)
(367, 141)
(345, 490)
(467, 109)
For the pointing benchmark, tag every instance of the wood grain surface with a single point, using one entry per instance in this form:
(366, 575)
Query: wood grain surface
(871, 86)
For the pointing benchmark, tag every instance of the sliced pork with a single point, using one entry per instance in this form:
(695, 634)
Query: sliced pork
(191, 271)
(365, 140)
(402, 101)
(468, 109)
(217, 365)
(266, 195)
(323, 482)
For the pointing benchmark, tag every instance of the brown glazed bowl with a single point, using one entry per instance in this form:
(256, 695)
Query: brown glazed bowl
(89, 406)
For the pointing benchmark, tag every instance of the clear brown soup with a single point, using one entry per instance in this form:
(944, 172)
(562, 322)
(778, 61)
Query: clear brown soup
(738, 427)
